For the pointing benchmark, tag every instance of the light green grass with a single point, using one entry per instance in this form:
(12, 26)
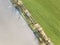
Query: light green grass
(47, 14)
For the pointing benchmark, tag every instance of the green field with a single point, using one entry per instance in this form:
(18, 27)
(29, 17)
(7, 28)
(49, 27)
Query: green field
(47, 14)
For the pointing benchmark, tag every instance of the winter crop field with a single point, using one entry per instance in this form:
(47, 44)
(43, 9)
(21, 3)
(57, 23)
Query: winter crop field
(47, 14)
